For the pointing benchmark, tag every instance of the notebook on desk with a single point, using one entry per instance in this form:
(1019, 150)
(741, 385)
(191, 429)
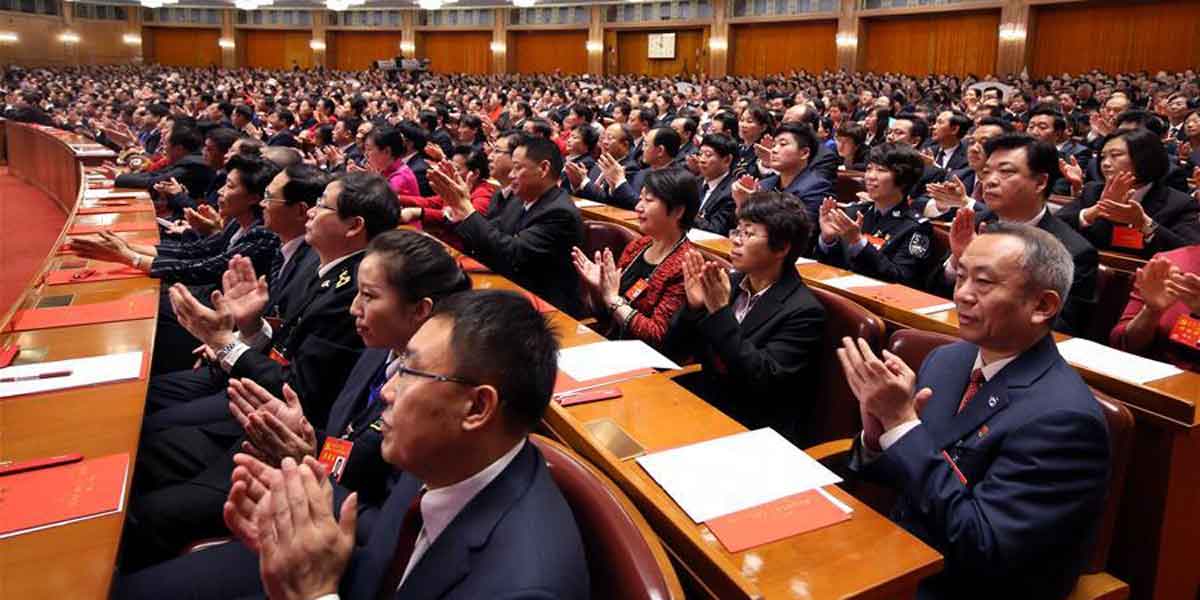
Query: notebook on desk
(60, 495)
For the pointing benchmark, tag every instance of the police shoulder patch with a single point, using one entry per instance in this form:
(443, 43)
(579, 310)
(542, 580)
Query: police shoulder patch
(918, 245)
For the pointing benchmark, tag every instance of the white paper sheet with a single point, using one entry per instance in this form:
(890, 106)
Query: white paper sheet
(852, 281)
(602, 359)
(84, 371)
(100, 193)
(1113, 362)
(583, 203)
(936, 308)
(805, 261)
(736, 472)
(700, 235)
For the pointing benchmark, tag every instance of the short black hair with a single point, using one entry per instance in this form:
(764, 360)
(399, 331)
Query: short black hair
(1143, 119)
(538, 149)
(286, 116)
(1041, 157)
(722, 144)
(920, 127)
(582, 111)
(1146, 153)
(1004, 126)
(805, 137)
(1060, 122)
(541, 127)
(223, 137)
(590, 137)
(689, 125)
(157, 109)
(305, 184)
(905, 165)
(960, 121)
(476, 162)
(646, 115)
(388, 138)
(728, 121)
(245, 111)
(255, 172)
(667, 138)
(413, 134)
(350, 124)
(676, 187)
(418, 266)
(367, 195)
(188, 138)
(498, 338)
(324, 136)
(857, 133)
(785, 219)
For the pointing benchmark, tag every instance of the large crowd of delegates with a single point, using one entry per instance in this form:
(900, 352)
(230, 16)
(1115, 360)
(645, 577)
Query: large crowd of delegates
(296, 313)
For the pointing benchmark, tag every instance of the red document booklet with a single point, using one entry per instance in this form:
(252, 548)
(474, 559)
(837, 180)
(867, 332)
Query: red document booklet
(783, 518)
(114, 227)
(108, 208)
(100, 271)
(33, 500)
(141, 306)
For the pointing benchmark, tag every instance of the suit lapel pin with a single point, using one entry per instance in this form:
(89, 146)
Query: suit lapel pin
(982, 431)
(343, 279)
(325, 284)
(992, 402)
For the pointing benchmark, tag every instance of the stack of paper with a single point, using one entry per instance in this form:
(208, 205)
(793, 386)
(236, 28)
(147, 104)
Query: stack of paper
(700, 235)
(602, 359)
(63, 374)
(584, 203)
(1113, 362)
(851, 281)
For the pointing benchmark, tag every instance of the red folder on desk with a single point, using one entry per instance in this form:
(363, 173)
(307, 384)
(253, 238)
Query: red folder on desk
(564, 384)
(103, 271)
(114, 227)
(776, 520)
(141, 306)
(61, 494)
(541, 305)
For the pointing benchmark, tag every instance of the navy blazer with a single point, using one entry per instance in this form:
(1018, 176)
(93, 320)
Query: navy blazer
(810, 187)
(958, 157)
(1176, 213)
(516, 539)
(718, 214)
(597, 188)
(420, 169)
(1033, 447)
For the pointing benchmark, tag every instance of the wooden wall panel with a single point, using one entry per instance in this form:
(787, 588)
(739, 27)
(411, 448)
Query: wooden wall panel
(456, 51)
(959, 43)
(767, 48)
(183, 46)
(354, 50)
(547, 51)
(1115, 37)
(691, 53)
(100, 42)
(274, 49)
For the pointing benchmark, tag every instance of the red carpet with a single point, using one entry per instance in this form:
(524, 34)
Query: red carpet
(29, 224)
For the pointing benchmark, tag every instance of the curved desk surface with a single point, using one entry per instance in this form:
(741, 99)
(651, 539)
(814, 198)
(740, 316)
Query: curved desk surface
(76, 560)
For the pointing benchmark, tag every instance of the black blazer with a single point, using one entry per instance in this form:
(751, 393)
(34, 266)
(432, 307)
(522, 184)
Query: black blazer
(958, 158)
(352, 418)
(718, 213)
(191, 171)
(624, 196)
(318, 340)
(283, 138)
(753, 370)
(1177, 215)
(420, 169)
(516, 539)
(1033, 447)
(531, 247)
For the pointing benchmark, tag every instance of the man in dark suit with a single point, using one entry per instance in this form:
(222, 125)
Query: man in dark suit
(686, 127)
(475, 501)
(415, 140)
(714, 162)
(944, 199)
(217, 143)
(758, 333)
(184, 164)
(282, 122)
(795, 145)
(528, 238)
(1048, 125)
(997, 448)
(948, 131)
(615, 143)
(1021, 171)
(911, 129)
(660, 146)
(581, 146)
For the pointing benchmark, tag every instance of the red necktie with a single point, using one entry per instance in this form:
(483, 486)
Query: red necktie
(410, 528)
(977, 381)
(977, 191)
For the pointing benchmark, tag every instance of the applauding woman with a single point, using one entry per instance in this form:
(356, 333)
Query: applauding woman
(640, 293)
(1134, 210)
(1159, 319)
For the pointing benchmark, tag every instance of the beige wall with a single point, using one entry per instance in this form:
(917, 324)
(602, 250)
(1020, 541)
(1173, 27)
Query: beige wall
(100, 42)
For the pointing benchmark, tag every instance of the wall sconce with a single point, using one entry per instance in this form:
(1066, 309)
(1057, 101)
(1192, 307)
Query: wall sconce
(847, 40)
(69, 37)
(132, 39)
(497, 47)
(407, 46)
(8, 37)
(718, 44)
(1012, 33)
(594, 46)
(226, 43)
(317, 45)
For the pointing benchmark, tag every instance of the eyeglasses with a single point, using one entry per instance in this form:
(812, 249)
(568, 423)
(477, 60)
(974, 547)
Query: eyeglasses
(743, 234)
(402, 369)
(321, 204)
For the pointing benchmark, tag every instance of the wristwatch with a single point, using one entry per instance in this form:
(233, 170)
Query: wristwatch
(225, 350)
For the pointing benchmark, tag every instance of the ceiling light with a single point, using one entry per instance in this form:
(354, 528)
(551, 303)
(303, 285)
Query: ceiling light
(523, 3)
(132, 39)
(225, 43)
(429, 4)
(68, 37)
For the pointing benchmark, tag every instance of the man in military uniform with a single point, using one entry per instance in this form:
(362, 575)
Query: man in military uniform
(881, 237)
(312, 351)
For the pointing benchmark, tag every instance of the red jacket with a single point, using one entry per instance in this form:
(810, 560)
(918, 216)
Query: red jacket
(1163, 348)
(432, 219)
(664, 294)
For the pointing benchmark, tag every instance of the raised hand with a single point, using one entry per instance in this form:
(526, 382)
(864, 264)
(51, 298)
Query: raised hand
(1126, 212)
(246, 296)
(589, 270)
(247, 397)
(1151, 282)
(454, 192)
(434, 153)
(962, 232)
(830, 232)
(248, 496)
(610, 277)
(213, 326)
(884, 388)
(575, 174)
(742, 188)
(717, 287)
(109, 248)
(204, 219)
(693, 282)
(170, 187)
(1186, 288)
(1073, 174)
(762, 150)
(613, 172)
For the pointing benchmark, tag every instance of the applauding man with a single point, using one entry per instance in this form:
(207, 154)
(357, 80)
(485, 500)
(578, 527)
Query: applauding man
(998, 449)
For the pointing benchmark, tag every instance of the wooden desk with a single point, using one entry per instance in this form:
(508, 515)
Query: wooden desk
(1159, 524)
(72, 561)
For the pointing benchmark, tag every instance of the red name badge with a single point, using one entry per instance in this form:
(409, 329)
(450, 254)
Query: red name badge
(876, 241)
(279, 358)
(1128, 237)
(334, 455)
(1186, 331)
(636, 290)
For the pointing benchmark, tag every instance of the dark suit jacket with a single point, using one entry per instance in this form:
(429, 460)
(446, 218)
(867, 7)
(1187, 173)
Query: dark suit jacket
(191, 171)
(291, 284)
(718, 213)
(597, 188)
(1177, 215)
(420, 169)
(532, 248)
(958, 158)
(516, 539)
(319, 341)
(283, 138)
(810, 187)
(183, 200)
(203, 261)
(1033, 447)
(365, 472)
(753, 369)
(967, 176)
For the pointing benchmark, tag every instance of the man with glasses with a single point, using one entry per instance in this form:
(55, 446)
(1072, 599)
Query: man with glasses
(758, 333)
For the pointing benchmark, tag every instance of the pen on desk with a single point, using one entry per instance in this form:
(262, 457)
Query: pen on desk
(8, 467)
(47, 375)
